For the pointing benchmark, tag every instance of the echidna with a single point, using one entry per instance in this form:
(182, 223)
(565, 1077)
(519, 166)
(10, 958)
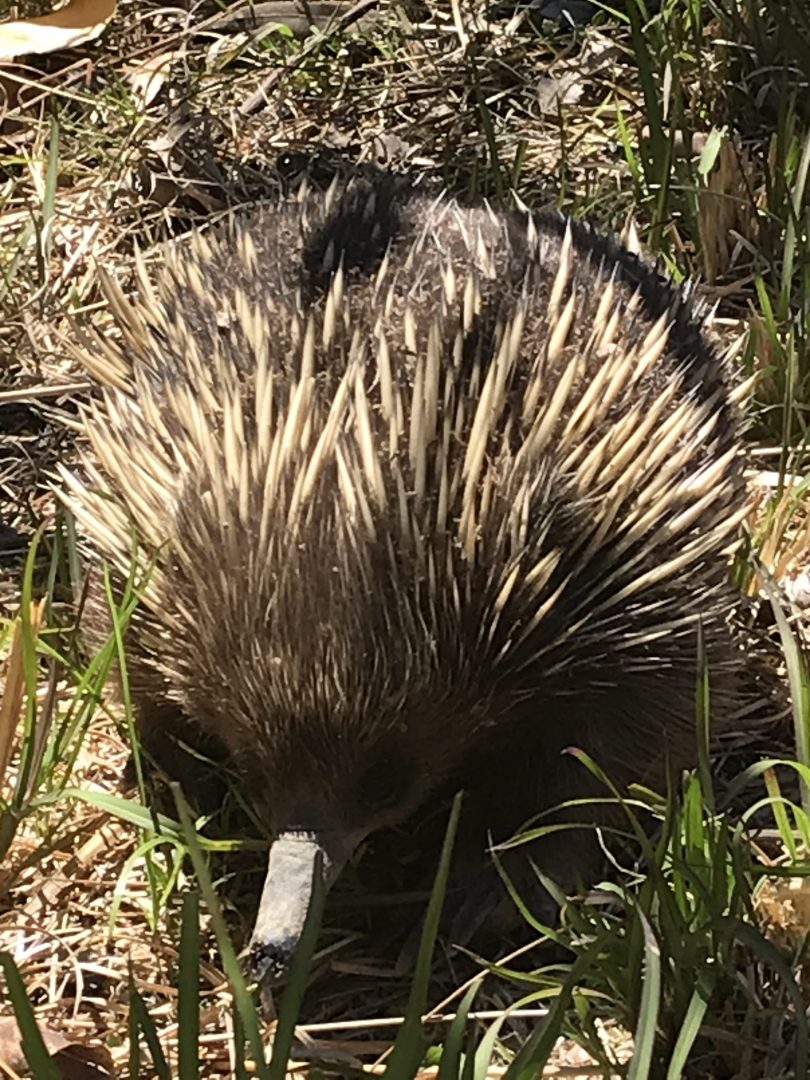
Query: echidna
(427, 494)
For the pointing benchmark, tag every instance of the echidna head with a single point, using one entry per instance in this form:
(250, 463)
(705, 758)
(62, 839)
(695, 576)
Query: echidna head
(349, 793)
(343, 706)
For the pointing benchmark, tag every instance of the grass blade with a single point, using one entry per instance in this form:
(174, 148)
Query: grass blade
(454, 1042)
(797, 678)
(230, 963)
(410, 1044)
(644, 1038)
(33, 1045)
(188, 1000)
(144, 1022)
(688, 1033)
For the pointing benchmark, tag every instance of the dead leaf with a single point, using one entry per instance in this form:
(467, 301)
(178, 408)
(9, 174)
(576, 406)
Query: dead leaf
(783, 908)
(11, 700)
(552, 92)
(77, 1062)
(78, 21)
(73, 1061)
(11, 697)
(11, 1051)
(725, 212)
(146, 79)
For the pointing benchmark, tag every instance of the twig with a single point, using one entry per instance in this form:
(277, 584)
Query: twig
(45, 391)
(395, 1021)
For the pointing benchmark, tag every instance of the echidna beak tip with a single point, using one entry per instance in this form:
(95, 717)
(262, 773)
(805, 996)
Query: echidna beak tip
(267, 962)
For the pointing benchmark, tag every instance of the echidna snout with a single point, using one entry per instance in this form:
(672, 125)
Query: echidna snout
(296, 860)
(317, 831)
(423, 495)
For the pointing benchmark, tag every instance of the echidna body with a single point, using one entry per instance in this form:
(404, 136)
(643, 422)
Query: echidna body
(426, 494)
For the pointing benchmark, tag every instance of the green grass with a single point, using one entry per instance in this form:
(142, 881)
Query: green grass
(699, 130)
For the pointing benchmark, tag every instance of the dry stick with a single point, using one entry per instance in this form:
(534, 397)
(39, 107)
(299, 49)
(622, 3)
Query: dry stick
(460, 990)
(258, 99)
(396, 1021)
(37, 392)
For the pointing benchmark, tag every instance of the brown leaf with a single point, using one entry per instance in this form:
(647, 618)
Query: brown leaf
(72, 1060)
(11, 698)
(76, 1062)
(147, 77)
(11, 1052)
(783, 908)
(78, 21)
